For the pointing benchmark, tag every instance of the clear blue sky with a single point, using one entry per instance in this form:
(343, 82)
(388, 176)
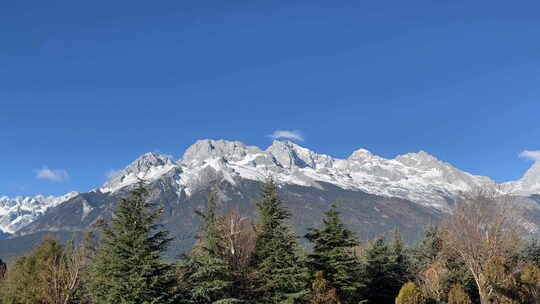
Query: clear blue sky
(87, 86)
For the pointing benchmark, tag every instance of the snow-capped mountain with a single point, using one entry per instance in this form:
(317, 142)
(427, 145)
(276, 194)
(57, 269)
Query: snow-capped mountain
(418, 177)
(18, 212)
(415, 177)
(529, 184)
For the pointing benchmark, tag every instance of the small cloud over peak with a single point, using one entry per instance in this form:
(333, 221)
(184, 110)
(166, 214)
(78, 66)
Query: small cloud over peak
(533, 155)
(287, 134)
(52, 175)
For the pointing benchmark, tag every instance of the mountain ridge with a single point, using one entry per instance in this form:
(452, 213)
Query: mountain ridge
(418, 177)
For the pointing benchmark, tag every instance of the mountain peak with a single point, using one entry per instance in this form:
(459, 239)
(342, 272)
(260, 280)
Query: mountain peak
(529, 183)
(146, 161)
(289, 154)
(361, 154)
(206, 149)
(418, 159)
(148, 166)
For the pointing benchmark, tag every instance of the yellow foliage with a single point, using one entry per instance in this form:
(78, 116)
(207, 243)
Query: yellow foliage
(410, 294)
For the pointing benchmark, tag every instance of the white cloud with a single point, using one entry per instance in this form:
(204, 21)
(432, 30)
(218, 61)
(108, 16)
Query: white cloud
(111, 174)
(52, 175)
(290, 134)
(534, 155)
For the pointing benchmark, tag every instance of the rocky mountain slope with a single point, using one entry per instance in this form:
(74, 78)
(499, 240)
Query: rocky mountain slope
(18, 212)
(375, 193)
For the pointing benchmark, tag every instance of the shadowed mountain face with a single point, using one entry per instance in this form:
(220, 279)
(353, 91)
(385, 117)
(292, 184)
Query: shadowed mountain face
(368, 215)
(375, 194)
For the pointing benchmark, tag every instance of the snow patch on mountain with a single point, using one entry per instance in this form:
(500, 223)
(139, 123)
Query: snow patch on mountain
(18, 212)
(417, 177)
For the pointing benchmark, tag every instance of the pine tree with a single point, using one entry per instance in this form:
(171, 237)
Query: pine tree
(402, 265)
(531, 251)
(127, 267)
(207, 275)
(410, 294)
(427, 249)
(382, 280)
(333, 256)
(280, 274)
(3, 270)
(321, 292)
(457, 295)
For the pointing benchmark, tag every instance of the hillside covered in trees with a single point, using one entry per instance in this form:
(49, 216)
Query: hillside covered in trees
(477, 254)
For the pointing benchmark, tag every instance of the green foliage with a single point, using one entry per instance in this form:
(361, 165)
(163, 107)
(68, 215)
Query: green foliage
(43, 276)
(460, 275)
(531, 252)
(427, 249)
(410, 294)
(321, 292)
(333, 256)
(457, 295)
(128, 267)
(27, 277)
(402, 269)
(384, 272)
(530, 284)
(280, 275)
(207, 276)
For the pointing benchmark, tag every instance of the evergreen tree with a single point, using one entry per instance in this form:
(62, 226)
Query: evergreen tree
(321, 292)
(3, 270)
(401, 260)
(427, 249)
(280, 274)
(207, 275)
(457, 295)
(127, 267)
(410, 294)
(531, 252)
(460, 275)
(382, 280)
(333, 256)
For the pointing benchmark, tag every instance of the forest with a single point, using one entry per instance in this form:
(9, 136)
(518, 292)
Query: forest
(479, 253)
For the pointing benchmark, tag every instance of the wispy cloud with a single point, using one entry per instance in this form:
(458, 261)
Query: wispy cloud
(52, 175)
(111, 174)
(290, 134)
(534, 155)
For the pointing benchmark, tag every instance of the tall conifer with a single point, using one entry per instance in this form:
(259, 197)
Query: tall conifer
(381, 279)
(206, 275)
(333, 256)
(280, 274)
(127, 267)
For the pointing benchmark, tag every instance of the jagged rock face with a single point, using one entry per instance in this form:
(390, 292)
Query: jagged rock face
(207, 149)
(379, 193)
(147, 167)
(18, 212)
(528, 185)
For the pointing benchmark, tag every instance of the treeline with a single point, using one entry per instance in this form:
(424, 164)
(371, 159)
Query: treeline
(476, 255)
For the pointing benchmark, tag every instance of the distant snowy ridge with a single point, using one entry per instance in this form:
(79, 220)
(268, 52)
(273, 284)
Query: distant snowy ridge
(417, 177)
(18, 212)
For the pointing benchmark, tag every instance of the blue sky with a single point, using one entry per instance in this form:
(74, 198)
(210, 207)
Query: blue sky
(87, 86)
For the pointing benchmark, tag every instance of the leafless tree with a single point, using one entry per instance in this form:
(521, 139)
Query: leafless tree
(432, 279)
(240, 237)
(63, 275)
(482, 227)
